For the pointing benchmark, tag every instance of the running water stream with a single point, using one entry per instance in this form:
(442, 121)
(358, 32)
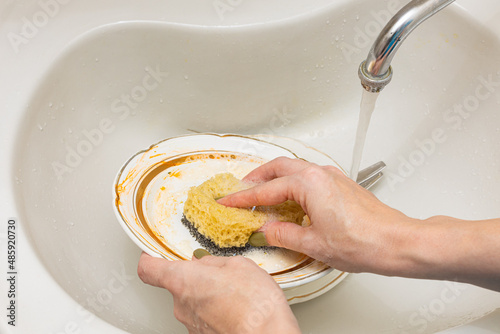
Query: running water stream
(368, 101)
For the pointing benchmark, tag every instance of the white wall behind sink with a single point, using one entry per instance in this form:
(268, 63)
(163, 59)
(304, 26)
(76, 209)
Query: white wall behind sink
(63, 219)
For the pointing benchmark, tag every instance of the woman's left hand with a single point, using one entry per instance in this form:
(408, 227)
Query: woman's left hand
(221, 294)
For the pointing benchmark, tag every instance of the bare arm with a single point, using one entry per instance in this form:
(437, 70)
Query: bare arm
(353, 231)
(451, 249)
(350, 229)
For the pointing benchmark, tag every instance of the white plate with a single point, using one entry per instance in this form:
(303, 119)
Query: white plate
(150, 190)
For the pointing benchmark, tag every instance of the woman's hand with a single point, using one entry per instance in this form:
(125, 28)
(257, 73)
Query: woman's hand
(350, 229)
(221, 294)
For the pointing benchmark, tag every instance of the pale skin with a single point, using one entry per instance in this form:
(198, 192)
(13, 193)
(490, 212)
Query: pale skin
(350, 229)
(221, 295)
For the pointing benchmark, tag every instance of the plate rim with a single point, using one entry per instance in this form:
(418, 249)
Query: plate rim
(153, 252)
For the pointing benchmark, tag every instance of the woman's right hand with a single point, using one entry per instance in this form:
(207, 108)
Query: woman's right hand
(350, 229)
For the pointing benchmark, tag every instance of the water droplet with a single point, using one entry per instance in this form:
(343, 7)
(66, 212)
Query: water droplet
(97, 60)
(427, 110)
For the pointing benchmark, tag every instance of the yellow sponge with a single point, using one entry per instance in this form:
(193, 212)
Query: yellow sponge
(231, 227)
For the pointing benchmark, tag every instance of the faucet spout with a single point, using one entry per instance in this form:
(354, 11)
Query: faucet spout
(376, 72)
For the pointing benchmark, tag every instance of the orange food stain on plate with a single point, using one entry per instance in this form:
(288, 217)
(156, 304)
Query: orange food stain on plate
(175, 173)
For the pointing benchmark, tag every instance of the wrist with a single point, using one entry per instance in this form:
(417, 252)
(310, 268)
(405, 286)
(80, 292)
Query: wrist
(398, 248)
(445, 248)
(426, 248)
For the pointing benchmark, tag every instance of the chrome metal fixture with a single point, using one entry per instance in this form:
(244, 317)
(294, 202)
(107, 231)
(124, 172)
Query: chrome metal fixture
(376, 72)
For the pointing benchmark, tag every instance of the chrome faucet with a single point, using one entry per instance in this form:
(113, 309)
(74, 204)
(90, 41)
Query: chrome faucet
(376, 72)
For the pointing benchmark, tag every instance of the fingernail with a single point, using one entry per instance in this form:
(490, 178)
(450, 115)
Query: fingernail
(219, 199)
(200, 252)
(258, 239)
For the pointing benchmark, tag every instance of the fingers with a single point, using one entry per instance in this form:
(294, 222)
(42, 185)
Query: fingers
(278, 167)
(287, 235)
(221, 261)
(160, 272)
(270, 193)
(211, 260)
(153, 271)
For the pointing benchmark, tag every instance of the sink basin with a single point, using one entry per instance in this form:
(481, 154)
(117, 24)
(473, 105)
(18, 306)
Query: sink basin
(95, 83)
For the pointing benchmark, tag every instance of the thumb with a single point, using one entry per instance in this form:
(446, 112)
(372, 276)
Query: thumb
(211, 260)
(285, 235)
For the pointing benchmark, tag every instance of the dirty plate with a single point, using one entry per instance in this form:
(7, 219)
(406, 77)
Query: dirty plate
(150, 190)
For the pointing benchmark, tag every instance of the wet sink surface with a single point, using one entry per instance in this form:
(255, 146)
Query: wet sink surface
(121, 87)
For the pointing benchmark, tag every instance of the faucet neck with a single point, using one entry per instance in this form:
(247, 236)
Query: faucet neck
(377, 66)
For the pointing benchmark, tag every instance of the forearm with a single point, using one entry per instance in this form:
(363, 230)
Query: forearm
(353, 231)
(451, 249)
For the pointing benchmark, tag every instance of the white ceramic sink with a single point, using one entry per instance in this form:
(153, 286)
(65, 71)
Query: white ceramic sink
(87, 84)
